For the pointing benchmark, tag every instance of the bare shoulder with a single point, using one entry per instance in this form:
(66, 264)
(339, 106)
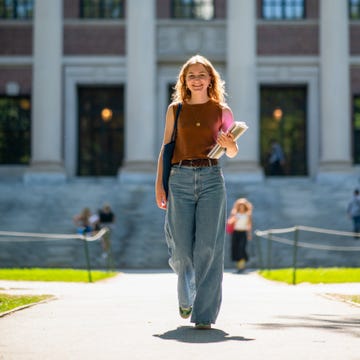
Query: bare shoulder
(171, 106)
(171, 109)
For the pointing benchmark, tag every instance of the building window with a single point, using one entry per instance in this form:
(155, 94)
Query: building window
(101, 130)
(15, 126)
(193, 9)
(16, 9)
(283, 119)
(354, 9)
(102, 9)
(283, 9)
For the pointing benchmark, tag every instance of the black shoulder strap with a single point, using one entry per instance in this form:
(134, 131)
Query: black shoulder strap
(173, 136)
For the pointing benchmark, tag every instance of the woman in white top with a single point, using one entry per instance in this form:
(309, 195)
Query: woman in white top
(241, 220)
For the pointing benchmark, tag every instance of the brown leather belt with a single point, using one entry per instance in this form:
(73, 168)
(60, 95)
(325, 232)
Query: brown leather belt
(198, 162)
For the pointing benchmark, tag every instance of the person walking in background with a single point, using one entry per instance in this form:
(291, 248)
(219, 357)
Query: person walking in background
(196, 204)
(84, 221)
(240, 220)
(353, 211)
(106, 219)
(276, 158)
(106, 216)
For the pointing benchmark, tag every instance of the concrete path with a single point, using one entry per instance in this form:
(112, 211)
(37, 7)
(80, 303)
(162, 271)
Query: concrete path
(134, 316)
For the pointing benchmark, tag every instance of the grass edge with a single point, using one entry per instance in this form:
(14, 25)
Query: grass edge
(22, 307)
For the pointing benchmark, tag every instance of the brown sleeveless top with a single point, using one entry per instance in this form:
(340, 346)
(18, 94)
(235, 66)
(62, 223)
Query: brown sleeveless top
(197, 130)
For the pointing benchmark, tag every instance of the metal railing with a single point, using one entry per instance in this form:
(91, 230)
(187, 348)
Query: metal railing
(271, 236)
(85, 237)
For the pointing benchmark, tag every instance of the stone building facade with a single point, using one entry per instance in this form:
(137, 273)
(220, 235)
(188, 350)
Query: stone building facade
(96, 88)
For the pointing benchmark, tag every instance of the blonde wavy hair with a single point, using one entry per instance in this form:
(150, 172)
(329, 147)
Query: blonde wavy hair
(216, 91)
(242, 202)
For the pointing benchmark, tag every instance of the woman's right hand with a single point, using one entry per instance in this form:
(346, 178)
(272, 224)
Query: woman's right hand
(161, 198)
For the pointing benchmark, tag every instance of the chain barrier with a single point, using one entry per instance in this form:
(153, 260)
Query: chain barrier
(278, 239)
(86, 238)
(28, 235)
(271, 236)
(309, 229)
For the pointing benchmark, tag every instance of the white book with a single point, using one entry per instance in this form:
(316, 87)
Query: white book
(237, 129)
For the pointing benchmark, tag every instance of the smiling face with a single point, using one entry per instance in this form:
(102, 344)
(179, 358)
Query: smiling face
(196, 76)
(197, 79)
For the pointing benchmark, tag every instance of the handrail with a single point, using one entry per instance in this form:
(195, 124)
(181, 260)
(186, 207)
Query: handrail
(271, 235)
(307, 228)
(304, 244)
(84, 237)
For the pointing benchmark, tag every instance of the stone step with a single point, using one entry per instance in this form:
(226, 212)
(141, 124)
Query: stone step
(138, 238)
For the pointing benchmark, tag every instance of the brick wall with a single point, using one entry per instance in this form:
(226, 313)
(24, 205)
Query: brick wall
(284, 37)
(312, 9)
(355, 80)
(354, 39)
(163, 9)
(220, 9)
(19, 74)
(16, 39)
(94, 39)
(71, 9)
(287, 39)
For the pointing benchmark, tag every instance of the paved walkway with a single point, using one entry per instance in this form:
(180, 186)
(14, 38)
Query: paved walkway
(134, 316)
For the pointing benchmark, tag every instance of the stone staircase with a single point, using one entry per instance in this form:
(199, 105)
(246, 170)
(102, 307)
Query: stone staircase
(138, 239)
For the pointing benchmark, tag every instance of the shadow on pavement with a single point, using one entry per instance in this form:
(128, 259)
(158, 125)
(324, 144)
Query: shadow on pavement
(189, 334)
(348, 325)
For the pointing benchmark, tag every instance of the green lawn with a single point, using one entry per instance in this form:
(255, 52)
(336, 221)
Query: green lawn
(67, 275)
(10, 302)
(318, 276)
(314, 276)
(355, 299)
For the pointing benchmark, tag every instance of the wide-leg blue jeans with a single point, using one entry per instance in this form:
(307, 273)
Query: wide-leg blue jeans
(195, 234)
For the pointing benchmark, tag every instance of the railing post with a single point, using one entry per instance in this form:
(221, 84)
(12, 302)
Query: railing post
(110, 260)
(86, 249)
(269, 245)
(296, 238)
(258, 246)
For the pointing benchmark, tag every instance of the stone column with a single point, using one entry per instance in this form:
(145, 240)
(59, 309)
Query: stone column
(46, 142)
(335, 141)
(242, 86)
(140, 158)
